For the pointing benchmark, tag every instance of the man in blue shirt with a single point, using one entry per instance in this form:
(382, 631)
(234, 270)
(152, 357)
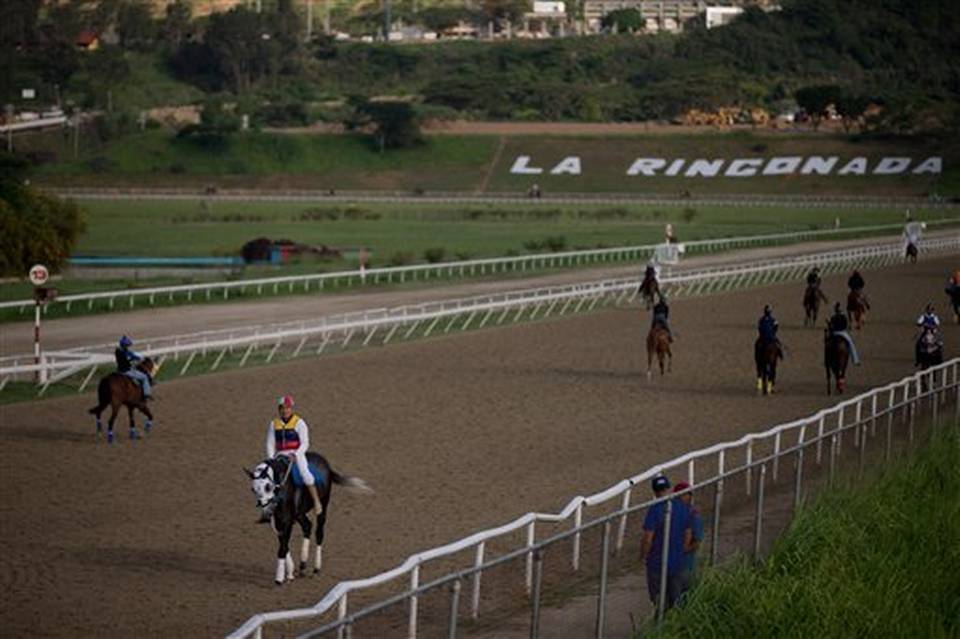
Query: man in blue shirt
(696, 534)
(651, 549)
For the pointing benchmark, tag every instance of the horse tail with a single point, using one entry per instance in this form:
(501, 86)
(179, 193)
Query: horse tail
(103, 396)
(351, 484)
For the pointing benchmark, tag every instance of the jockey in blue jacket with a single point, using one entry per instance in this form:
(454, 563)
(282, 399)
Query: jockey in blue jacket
(837, 325)
(126, 359)
(927, 322)
(767, 326)
(661, 315)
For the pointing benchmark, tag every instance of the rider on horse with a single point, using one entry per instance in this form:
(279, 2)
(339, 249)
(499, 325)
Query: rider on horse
(837, 325)
(813, 277)
(767, 327)
(126, 359)
(928, 322)
(289, 435)
(661, 314)
(856, 282)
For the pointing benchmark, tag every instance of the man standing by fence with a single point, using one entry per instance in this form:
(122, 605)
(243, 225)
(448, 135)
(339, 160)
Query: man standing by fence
(651, 549)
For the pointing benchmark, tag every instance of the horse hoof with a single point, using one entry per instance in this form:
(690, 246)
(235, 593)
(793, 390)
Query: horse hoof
(109, 438)
(316, 571)
(279, 583)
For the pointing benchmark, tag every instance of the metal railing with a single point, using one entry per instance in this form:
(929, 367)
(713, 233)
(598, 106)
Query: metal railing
(381, 326)
(290, 284)
(860, 417)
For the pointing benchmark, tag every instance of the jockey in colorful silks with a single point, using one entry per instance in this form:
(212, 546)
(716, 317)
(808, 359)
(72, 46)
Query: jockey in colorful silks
(927, 322)
(661, 315)
(837, 325)
(289, 435)
(126, 359)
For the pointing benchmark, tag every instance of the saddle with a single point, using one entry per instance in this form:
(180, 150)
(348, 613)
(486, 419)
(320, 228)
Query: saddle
(297, 479)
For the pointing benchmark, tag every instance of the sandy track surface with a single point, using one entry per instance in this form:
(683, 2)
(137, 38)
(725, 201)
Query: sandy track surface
(17, 338)
(456, 434)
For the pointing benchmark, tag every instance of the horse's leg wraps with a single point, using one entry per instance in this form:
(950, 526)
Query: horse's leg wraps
(281, 568)
(318, 559)
(289, 563)
(305, 551)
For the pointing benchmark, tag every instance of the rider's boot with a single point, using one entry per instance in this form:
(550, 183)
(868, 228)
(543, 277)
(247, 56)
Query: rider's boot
(317, 506)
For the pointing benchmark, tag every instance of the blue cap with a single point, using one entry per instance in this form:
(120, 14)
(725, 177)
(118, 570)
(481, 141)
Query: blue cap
(125, 341)
(660, 482)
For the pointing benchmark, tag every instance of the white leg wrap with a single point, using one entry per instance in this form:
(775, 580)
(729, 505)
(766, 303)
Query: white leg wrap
(289, 563)
(305, 551)
(281, 564)
(318, 560)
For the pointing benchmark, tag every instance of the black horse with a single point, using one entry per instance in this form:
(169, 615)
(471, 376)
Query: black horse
(117, 389)
(836, 357)
(283, 503)
(911, 252)
(812, 297)
(929, 349)
(765, 355)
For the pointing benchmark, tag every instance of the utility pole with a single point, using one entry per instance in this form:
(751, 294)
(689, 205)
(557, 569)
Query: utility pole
(386, 20)
(309, 20)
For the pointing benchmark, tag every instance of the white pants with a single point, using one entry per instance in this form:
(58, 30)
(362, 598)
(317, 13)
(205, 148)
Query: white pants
(301, 460)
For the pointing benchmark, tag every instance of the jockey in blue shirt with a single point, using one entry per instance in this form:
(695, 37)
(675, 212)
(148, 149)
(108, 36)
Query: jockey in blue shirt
(126, 359)
(767, 326)
(661, 315)
(927, 322)
(837, 325)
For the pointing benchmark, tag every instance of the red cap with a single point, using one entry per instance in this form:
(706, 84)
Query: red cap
(681, 485)
(286, 401)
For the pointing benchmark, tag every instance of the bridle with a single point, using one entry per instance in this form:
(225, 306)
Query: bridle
(278, 494)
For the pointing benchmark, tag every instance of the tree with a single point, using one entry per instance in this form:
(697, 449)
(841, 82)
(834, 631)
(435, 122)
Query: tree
(176, 23)
(506, 11)
(395, 123)
(18, 22)
(623, 21)
(851, 108)
(243, 47)
(815, 100)
(33, 227)
(135, 25)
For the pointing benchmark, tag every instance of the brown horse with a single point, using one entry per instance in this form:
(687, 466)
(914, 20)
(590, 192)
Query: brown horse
(117, 389)
(811, 304)
(658, 342)
(765, 355)
(857, 307)
(836, 356)
(912, 252)
(648, 291)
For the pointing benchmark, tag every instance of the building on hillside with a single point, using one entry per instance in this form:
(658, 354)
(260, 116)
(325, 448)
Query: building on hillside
(671, 15)
(87, 41)
(719, 16)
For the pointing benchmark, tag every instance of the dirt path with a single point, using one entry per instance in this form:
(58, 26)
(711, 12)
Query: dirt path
(456, 434)
(17, 338)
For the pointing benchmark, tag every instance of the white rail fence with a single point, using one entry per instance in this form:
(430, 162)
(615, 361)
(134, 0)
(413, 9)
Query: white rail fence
(381, 326)
(221, 290)
(761, 453)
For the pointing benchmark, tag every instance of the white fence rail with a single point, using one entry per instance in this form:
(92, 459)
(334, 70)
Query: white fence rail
(860, 415)
(381, 326)
(127, 298)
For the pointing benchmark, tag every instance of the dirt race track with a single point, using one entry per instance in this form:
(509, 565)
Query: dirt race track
(456, 434)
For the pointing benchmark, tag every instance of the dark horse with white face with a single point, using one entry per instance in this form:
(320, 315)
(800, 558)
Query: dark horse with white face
(117, 389)
(283, 503)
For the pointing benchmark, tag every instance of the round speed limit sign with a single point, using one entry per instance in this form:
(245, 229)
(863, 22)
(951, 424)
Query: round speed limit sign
(39, 274)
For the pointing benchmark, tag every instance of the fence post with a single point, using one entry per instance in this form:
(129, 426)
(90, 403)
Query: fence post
(913, 413)
(478, 561)
(623, 520)
(749, 468)
(890, 403)
(454, 609)
(715, 533)
(535, 595)
(414, 584)
(758, 528)
(873, 414)
(531, 535)
(798, 481)
(931, 386)
(664, 562)
(577, 520)
(776, 454)
(956, 382)
(862, 434)
(820, 439)
(602, 595)
(341, 615)
(833, 458)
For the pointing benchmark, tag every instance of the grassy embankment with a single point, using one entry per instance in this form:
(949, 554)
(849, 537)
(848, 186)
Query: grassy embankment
(404, 233)
(877, 559)
(478, 163)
